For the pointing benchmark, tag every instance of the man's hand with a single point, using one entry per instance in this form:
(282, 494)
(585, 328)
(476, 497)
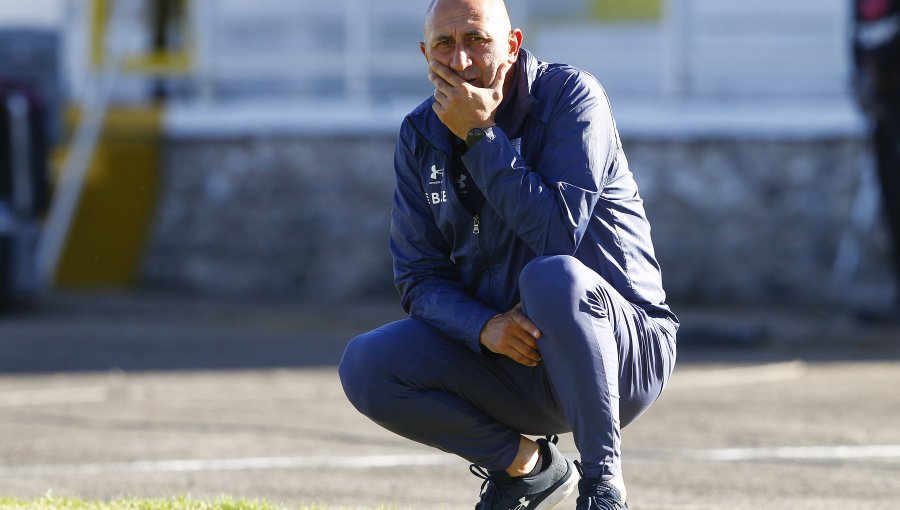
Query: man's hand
(462, 106)
(513, 334)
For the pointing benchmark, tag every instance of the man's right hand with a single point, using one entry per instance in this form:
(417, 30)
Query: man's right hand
(513, 334)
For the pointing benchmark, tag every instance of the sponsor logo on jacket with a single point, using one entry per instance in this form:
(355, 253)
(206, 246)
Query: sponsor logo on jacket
(437, 175)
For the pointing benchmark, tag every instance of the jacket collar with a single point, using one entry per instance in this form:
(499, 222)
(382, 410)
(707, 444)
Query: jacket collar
(436, 133)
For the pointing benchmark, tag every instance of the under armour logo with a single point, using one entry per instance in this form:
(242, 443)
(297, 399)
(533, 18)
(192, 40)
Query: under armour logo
(435, 172)
(461, 182)
(517, 145)
(523, 504)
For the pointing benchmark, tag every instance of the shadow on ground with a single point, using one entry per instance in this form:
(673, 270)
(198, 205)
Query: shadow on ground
(140, 332)
(100, 332)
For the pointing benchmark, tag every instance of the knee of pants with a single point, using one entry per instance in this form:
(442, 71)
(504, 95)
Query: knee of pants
(553, 287)
(365, 370)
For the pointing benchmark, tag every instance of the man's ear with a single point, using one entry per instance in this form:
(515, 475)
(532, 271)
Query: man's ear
(422, 49)
(515, 44)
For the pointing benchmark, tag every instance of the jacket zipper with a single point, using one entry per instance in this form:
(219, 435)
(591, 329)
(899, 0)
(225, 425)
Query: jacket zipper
(476, 222)
(476, 219)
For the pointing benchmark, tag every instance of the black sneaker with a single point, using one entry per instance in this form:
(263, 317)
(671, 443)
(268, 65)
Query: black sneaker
(595, 494)
(555, 481)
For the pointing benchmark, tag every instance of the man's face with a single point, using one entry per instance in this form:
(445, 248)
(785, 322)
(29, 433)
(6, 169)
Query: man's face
(470, 37)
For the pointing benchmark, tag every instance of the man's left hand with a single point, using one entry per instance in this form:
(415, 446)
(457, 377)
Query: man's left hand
(462, 106)
(512, 334)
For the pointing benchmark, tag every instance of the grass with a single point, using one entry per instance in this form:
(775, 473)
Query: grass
(50, 502)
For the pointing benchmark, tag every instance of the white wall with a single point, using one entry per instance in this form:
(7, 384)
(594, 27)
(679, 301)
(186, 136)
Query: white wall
(43, 13)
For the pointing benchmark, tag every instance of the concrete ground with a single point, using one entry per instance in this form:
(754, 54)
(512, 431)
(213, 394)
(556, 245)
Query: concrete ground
(104, 396)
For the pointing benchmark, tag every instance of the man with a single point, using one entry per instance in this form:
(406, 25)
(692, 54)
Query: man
(523, 257)
(876, 48)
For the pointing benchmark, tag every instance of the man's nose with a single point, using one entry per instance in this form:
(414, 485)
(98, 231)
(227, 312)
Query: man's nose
(460, 60)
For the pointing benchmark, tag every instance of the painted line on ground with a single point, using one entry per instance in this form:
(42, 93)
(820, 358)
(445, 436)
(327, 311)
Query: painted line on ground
(780, 453)
(53, 396)
(795, 453)
(245, 464)
(868, 452)
(756, 374)
(154, 393)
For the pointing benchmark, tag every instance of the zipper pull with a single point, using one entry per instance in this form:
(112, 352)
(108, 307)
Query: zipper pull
(476, 224)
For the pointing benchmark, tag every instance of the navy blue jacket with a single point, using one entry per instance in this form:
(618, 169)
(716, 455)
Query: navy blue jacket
(555, 181)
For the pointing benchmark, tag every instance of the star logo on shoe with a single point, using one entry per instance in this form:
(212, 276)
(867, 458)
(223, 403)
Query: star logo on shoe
(523, 504)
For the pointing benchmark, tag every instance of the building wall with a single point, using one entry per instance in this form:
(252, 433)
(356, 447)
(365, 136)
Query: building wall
(273, 216)
(734, 220)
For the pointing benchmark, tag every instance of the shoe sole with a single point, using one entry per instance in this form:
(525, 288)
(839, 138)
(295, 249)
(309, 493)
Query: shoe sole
(562, 491)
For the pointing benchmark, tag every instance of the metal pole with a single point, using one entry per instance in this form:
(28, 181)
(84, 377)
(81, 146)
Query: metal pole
(357, 50)
(21, 144)
(676, 46)
(75, 169)
(863, 215)
(202, 18)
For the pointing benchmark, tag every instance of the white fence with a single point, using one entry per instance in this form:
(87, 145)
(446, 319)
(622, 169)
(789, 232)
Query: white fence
(354, 51)
(365, 53)
(358, 51)
(344, 63)
(715, 49)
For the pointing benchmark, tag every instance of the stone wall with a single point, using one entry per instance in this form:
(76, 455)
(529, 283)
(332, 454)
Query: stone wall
(274, 217)
(756, 220)
(734, 220)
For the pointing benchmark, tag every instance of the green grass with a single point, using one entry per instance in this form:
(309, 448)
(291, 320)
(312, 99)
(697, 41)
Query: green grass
(181, 503)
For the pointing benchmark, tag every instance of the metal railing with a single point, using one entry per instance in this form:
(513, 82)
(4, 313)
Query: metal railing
(358, 52)
(319, 50)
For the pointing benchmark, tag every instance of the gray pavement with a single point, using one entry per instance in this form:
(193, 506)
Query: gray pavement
(112, 395)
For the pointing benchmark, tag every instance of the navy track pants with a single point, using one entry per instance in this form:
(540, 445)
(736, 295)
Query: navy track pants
(604, 362)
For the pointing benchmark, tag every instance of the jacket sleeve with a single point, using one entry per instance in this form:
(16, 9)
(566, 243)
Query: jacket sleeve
(549, 207)
(425, 276)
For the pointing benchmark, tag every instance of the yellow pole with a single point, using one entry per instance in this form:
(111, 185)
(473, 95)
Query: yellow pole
(99, 19)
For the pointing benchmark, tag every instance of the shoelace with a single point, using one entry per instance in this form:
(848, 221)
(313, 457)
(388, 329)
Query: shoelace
(482, 473)
(599, 498)
(579, 468)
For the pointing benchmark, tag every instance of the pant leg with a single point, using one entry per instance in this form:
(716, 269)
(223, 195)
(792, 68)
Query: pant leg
(414, 381)
(607, 360)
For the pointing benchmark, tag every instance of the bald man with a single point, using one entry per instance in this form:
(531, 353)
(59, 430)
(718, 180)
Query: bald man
(522, 254)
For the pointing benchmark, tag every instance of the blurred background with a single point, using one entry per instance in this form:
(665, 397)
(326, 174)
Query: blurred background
(194, 215)
(228, 148)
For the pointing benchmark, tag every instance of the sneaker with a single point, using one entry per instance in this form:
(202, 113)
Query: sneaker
(595, 494)
(556, 480)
